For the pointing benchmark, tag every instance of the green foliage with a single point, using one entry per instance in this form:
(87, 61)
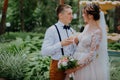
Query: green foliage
(35, 15)
(12, 36)
(27, 45)
(39, 14)
(38, 67)
(114, 46)
(33, 44)
(45, 13)
(12, 66)
(29, 19)
(1, 5)
(14, 16)
(115, 68)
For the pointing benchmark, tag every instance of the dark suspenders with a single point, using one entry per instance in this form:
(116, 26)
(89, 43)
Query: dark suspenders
(59, 39)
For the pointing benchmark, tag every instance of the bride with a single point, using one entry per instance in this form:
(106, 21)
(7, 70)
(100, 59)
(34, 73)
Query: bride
(91, 51)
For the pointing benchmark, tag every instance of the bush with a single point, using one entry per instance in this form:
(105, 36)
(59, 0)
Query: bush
(114, 46)
(38, 67)
(12, 36)
(28, 50)
(115, 68)
(12, 66)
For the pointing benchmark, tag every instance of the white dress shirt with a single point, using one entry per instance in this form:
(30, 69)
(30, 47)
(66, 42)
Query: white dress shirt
(51, 45)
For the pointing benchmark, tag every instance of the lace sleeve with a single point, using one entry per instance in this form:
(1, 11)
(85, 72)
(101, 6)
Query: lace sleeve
(95, 41)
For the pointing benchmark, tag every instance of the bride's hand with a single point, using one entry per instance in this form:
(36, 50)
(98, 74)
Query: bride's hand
(74, 39)
(70, 71)
(74, 69)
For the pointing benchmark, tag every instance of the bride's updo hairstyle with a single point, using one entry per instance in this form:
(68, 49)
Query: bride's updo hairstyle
(92, 9)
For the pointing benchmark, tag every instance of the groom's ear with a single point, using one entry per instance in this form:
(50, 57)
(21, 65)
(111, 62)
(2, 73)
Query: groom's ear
(60, 15)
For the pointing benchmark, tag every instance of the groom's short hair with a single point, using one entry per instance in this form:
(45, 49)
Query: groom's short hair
(61, 8)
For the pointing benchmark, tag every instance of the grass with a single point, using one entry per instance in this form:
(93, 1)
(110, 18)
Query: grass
(115, 67)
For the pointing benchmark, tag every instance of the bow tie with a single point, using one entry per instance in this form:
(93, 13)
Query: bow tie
(66, 27)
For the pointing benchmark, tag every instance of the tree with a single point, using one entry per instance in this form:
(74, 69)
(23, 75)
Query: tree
(45, 13)
(117, 19)
(22, 15)
(3, 19)
(61, 1)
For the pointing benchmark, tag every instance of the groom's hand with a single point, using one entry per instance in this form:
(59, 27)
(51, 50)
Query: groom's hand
(74, 39)
(66, 42)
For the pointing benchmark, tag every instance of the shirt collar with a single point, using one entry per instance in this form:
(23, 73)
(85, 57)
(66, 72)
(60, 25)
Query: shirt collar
(60, 23)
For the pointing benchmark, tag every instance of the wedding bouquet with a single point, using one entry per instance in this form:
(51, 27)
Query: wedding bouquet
(67, 63)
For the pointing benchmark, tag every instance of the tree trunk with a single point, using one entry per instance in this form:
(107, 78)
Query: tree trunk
(3, 19)
(22, 16)
(78, 13)
(61, 1)
(117, 19)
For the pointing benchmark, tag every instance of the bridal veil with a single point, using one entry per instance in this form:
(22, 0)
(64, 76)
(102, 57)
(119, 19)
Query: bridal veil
(103, 59)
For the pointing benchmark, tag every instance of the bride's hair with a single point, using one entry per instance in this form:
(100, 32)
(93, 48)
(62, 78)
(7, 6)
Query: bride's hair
(92, 9)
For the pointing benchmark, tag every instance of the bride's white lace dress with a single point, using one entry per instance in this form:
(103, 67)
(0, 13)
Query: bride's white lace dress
(87, 53)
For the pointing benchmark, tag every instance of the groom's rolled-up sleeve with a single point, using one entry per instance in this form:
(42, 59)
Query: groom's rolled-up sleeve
(49, 47)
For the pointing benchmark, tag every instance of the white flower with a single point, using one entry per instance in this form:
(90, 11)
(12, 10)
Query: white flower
(59, 64)
(71, 59)
(64, 63)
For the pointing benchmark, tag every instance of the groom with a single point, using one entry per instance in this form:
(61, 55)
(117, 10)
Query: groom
(56, 44)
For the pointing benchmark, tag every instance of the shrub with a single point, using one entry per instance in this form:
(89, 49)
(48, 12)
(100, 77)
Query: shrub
(38, 67)
(12, 66)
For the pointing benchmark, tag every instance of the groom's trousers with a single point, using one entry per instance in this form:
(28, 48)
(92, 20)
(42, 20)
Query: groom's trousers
(56, 74)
